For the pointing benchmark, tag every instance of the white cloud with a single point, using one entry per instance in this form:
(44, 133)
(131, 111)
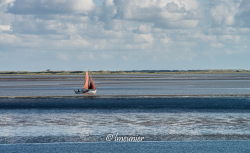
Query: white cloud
(144, 38)
(4, 3)
(231, 38)
(144, 28)
(165, 40)
(8, 39)
(161, 13)
(243, 14)
(5, 18)
(217, 45)
(82, 6)
(224, 12)
(162, 29)
(5, 28)
(43, 7)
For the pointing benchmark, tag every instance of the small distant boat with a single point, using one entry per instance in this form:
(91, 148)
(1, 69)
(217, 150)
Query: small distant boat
(89, 86)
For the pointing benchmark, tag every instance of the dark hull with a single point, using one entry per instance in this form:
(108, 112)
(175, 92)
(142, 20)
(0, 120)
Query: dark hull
(85, 91)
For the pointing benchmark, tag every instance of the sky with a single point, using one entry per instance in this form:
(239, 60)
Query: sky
(36, 35)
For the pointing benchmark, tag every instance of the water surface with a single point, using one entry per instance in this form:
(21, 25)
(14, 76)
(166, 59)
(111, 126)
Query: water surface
(154, 84)
(45, 120)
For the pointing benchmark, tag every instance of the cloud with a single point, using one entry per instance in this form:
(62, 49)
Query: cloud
(7, 38)
(147, 38)
(5, 18)
(223, 13)
(5, 28)
(233, 13)
(144, 28)
(166, 30)
(243, 14)
(43, 7)
(161, 13)
(4, 3)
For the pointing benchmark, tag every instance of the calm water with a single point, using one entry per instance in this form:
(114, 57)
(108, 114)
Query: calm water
(163, 84)
(92, 119)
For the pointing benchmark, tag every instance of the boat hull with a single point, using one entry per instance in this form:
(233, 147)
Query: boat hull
(85, 91)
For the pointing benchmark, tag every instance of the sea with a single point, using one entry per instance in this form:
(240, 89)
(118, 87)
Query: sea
(43, 109)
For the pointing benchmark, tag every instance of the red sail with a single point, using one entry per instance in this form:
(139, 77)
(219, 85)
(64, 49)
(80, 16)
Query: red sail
(86, 83)
(92, 84)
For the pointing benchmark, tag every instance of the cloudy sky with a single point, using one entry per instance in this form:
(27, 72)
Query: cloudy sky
(36, 35)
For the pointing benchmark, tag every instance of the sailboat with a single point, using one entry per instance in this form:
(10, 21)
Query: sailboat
(89, 86)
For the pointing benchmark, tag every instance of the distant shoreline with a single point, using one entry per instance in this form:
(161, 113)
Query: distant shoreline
(48, 72)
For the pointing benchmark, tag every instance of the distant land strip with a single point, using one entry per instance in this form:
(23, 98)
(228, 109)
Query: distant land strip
(49, 72)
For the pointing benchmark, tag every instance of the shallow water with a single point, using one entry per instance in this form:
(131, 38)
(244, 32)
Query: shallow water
(155, 84)
(92, 119)
(85, 123)
(156, 119)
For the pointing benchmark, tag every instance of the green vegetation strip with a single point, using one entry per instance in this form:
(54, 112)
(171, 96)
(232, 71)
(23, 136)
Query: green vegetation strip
(48, 72)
